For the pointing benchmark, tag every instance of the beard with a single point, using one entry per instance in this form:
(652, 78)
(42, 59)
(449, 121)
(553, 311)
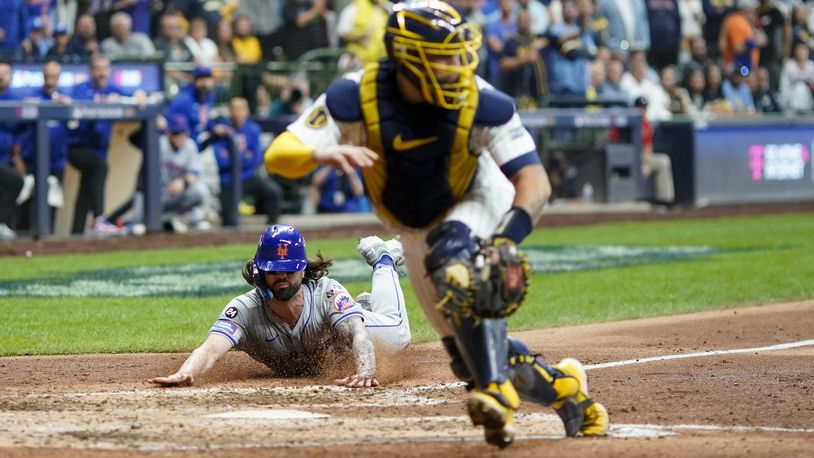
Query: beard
(285, 293)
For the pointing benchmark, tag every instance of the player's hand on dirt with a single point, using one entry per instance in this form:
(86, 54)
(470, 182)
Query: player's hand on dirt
(358, 381)
(345, 157)
(178, 379)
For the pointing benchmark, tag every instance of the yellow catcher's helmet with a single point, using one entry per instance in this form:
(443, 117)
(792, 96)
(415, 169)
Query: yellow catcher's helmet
(433, 45)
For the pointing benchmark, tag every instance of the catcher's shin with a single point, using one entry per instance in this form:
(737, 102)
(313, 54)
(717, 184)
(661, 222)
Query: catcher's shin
(492, 284)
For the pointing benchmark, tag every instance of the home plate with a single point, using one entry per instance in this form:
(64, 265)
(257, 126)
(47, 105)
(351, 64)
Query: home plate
(271, 415)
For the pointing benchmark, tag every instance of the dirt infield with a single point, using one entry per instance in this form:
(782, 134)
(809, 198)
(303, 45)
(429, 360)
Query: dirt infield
(715, 384)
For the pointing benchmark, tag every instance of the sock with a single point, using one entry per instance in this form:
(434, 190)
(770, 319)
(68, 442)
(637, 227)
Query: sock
(386, 260)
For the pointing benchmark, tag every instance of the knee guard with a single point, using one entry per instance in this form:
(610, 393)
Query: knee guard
(532, 378)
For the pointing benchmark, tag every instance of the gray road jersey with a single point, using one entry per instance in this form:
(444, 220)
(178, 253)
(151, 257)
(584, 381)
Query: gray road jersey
(251, 327)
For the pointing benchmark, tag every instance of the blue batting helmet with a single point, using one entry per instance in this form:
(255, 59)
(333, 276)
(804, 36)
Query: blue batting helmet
(426, 39)
(281, 248)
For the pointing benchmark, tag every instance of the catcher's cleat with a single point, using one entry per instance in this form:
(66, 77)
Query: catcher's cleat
(493, 408)
(373, 249)
(578, 412)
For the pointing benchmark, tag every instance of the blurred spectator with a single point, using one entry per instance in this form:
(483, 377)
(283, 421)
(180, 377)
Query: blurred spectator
(657, 165)
(522, 75)
(139, 11)
(245, 44)
(36, 47)
(678, 102)
(265, 17)
(800, 30)
(698, 58)
(778, 39)
(13, 22)
(797, 81)
(636, 83)
(195, 102)
(766, 100)
(248, 55)
(539, 16)
(574, 47)
(223, 40)
(60, 52)
(627, 24)
(692, 20)
(89, 144)
(204, 50)
(715, 101)
(714, 13)
(102, 11)
(361, 29)
(563, 176)
(696, 89)
(665, 32)
(738, 93)
(83, 44)
(495, 35)
(123, 42)
(305, 26)
(332, 191)
(182, 195)
(58, 143)
(12, 168)
(739, 42)
(242, 135)
(170, 41)
(598, 75)
(611, 88)
(293, 100)
(470, 10)
(594, 25)
(215, 11)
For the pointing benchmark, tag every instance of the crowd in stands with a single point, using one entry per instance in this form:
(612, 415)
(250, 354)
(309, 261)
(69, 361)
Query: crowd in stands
(685, 58)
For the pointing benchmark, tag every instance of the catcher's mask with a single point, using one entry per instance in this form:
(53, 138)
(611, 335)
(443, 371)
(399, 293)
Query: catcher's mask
(434, 46)
(281, 248)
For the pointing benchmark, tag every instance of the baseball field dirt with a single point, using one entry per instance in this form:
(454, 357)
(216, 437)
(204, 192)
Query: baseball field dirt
(736, 382)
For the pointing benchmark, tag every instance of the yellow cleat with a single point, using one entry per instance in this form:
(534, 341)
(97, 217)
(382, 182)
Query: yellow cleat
(578, 412)
(493, 408)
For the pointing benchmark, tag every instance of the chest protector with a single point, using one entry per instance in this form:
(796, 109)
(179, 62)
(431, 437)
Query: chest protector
(425, 164)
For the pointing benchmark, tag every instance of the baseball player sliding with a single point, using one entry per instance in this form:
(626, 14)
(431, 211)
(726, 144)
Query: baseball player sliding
(295, 314)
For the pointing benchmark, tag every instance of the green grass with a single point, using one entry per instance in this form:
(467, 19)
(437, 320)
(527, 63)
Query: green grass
(765, 260)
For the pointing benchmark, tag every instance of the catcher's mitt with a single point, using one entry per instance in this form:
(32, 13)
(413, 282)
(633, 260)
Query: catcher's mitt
(491, 285)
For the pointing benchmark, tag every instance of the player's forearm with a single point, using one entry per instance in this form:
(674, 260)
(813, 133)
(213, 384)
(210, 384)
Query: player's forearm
(532, 190)
(364, 354)
(287, 156)
(202, 359)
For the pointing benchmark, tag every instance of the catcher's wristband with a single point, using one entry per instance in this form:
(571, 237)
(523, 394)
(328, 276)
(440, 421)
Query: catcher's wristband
(515, 225)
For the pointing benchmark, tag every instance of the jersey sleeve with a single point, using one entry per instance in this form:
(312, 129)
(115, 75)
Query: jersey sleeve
(339, 304)
(231, 322)
(316, 127)
(510, 144)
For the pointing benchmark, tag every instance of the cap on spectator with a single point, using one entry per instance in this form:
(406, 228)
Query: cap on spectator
(640, 102)
(36, 24)
(61, 29)
(202, 72)
(177, 124)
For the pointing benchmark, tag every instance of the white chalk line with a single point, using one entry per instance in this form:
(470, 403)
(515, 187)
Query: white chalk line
(701, 354)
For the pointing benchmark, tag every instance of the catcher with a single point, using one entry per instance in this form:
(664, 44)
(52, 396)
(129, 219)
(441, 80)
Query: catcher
(295, 314)
(447, 164)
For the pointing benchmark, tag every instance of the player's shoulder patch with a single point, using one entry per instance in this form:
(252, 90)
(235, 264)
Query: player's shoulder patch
(343, 302)
(494, 108)
(342, 100)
